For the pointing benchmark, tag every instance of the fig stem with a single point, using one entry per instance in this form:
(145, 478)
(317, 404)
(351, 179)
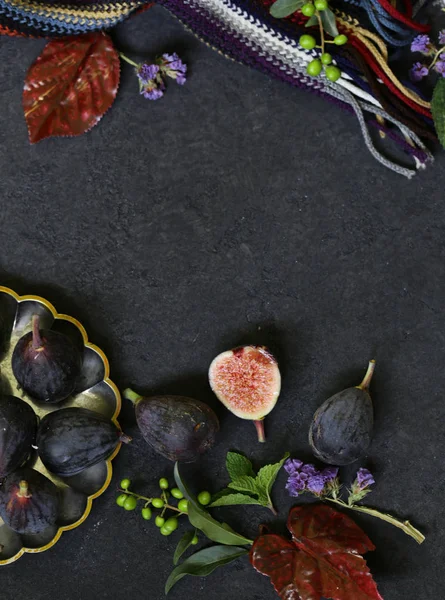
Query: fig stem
(124, 438)
(405, 526)
(260, 430)
(132, 396)
(367, 378)
(36, 337)
(23, 490)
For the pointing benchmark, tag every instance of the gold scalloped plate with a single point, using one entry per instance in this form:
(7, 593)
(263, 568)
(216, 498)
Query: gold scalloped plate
(95, 391)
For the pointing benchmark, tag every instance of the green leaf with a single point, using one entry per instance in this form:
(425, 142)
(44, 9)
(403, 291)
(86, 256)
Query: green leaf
(232, 499)
(244, 484)
(438, 110)
(238, 465)
(184, 543)
(284, 8)
(221, 494)
(312, 21)
(267, 475)
(201, 519)
(204, 562)
(329, 22)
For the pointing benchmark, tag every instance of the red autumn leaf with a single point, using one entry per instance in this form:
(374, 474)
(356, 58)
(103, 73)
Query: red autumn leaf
(323, 560)
(70, 86)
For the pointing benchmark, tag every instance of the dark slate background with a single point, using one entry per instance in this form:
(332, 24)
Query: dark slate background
(235, 210)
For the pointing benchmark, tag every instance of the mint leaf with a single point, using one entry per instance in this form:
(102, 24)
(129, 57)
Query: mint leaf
(438, 110)
(284, 8)
(232, 499)
(329, 22)
(266, 477)
(238, 465)
(244, 484)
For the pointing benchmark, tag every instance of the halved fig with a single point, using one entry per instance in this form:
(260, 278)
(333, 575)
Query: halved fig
(247, 381)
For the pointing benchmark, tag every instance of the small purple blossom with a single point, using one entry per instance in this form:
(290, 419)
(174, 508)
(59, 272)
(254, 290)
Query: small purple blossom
(440, 65)
(292, 465)
(442, 37)
(309, 470)
(315, 483)
(418, 71)
(173, 67)
(147, 72)
(153, 94)
(364, 478)
(329, 474)
(421, 43)
(296, 484)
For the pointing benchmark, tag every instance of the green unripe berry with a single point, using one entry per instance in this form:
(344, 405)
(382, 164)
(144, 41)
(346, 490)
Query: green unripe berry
(340, 40)
(308, 9)
(125, 484)
(176, 493)
(204, 498)
(146, 513)
(158, 502)
(163, 484)
(121, 499)
(183, 505)
(159, 521)
(333, 73)
(307, 42)
(194, 541)
(171, 524)
(326, 58)
(165, 531)
(314, 68)
(130, 503)
(321, 4)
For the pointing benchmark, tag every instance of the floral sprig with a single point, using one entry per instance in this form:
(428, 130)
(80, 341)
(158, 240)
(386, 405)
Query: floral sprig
(152, 76)
(424, 45)
(325, 485)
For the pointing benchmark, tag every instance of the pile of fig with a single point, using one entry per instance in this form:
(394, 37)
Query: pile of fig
(47, 366)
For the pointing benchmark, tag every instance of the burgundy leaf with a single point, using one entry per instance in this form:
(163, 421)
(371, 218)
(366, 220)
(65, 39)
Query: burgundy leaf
(323, 560)
(70, 86)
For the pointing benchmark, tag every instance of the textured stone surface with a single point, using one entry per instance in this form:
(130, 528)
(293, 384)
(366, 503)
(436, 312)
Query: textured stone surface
(236, 209)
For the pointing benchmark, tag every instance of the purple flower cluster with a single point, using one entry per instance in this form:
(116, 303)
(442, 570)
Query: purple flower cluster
(151, 76)
(364, 479)
(307, 478)
(173, 67)
(423, 44)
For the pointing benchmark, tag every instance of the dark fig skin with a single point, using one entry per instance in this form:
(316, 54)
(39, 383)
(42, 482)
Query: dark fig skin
(177, 427)
(341, 430)
(70, 440)
(46, 364)
(18, 426)
(28, 501)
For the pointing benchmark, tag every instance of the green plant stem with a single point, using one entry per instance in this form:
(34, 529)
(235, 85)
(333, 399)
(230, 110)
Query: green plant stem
(320, 24)
(438, 53)
(405, 526)
(128, 60)
(149, 500)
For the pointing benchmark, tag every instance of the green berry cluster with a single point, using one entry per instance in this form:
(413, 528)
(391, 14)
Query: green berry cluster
(308, 42)
(129, 501)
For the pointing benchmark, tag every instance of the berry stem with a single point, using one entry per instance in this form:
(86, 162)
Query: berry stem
(36, 338)
(148, 500)
(405, 526)
(367, 378)
(132, 396)
(260, 430)
(124, 438)
(320, 24)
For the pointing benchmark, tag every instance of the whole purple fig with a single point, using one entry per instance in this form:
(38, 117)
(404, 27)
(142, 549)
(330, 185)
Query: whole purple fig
(46, 364)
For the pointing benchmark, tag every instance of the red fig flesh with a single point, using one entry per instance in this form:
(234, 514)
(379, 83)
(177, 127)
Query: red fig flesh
(247, 381)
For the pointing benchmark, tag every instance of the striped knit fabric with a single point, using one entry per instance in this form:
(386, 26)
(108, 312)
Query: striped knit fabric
(244, 31)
